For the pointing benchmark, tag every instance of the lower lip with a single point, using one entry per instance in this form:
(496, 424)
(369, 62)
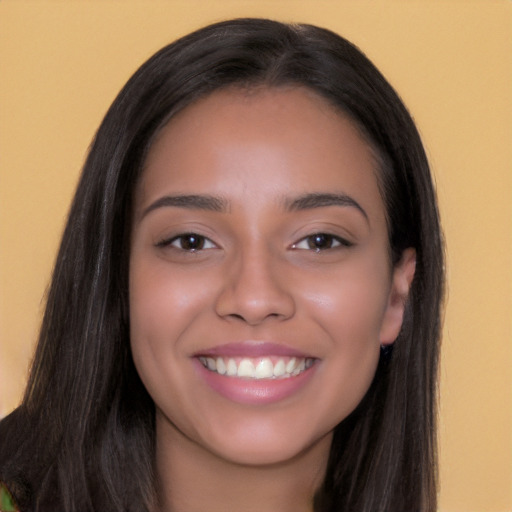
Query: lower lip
(255, 391)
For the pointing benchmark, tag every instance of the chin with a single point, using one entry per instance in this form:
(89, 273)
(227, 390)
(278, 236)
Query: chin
(259, 446)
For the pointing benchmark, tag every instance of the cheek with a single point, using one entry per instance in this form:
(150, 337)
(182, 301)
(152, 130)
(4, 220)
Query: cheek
(160, 307)
(349, 310)
(163, 306)
(163, 302)
(167, 309)
(351, 304)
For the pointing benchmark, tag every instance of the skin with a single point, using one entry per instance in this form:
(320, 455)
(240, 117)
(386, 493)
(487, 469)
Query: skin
(257, 275)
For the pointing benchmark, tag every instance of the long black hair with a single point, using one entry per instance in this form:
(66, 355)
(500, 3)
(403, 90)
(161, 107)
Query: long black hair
(83, 437)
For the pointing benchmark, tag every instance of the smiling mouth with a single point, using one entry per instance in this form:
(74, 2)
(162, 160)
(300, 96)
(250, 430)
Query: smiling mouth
(272, 367)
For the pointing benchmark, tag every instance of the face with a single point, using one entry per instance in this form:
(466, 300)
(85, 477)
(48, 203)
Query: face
(260, 282)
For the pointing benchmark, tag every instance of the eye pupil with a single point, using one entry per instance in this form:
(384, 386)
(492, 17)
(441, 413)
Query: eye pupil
(320, 241)
(192, 242)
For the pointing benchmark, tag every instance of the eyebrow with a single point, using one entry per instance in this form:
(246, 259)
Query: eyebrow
(322, 200)
(192, 202)
(218, 204)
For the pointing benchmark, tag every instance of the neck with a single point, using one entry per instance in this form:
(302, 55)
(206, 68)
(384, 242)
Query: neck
(192, 479)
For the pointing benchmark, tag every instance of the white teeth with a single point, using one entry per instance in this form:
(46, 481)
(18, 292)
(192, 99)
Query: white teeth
(246, 368)
(290, 366)
(221, 366)
(300, 367)
(279, 368)
(232, 368)
(264, 369)
(257, 368)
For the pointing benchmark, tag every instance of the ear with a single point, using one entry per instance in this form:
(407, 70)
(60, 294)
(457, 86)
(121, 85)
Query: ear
(403, 274)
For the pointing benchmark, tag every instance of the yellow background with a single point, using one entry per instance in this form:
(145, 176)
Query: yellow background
(62, 62)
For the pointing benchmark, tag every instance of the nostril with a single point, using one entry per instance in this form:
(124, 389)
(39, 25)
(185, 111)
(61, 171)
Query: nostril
(253, 319)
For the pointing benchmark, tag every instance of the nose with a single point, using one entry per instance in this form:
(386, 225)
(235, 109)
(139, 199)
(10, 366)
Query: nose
(256, 290)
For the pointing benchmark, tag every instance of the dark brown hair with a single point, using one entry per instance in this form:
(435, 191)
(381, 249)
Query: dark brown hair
(83, 437)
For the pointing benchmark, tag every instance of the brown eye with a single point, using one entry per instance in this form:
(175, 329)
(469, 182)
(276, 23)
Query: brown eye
(190, 242)
(320, 242)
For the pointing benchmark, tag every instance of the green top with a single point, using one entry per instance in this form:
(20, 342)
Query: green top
(6, 501)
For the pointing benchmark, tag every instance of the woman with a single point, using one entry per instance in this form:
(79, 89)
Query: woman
(245, 308)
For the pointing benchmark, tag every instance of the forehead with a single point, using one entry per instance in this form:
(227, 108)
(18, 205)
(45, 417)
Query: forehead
(267, 141)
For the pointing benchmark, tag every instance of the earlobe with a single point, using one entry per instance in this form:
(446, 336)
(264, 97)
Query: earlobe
(403, 274)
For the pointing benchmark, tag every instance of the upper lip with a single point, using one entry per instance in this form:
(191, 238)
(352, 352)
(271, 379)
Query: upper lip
(251, 349)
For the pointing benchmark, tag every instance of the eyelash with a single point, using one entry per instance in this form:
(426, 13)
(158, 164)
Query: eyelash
(191, 238)
(317, 238)
(197, 242)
